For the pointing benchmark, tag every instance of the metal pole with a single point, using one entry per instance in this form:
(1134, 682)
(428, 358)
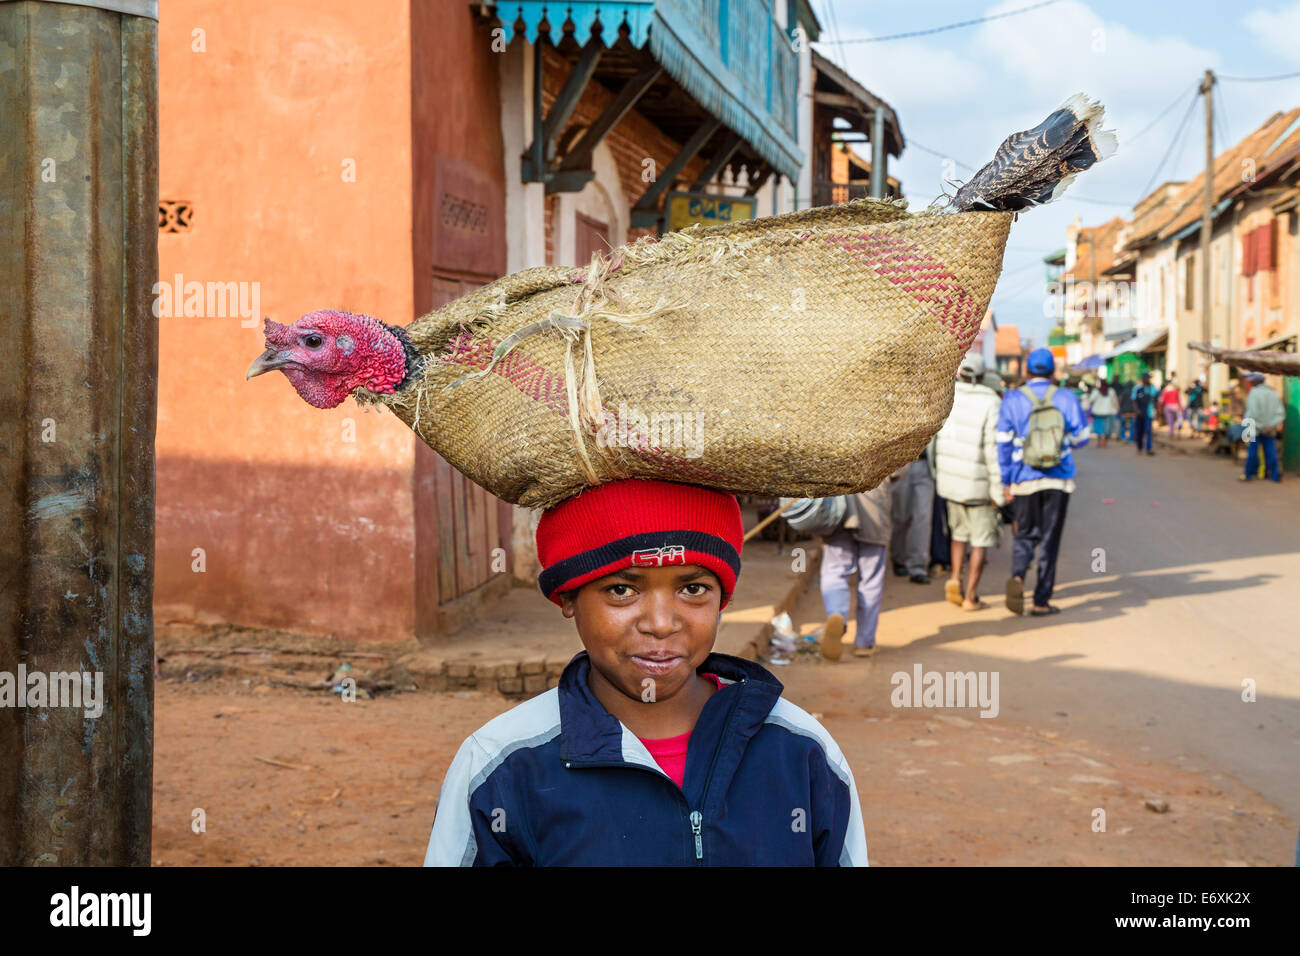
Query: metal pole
(1207, 211)
(78, 396)
(878, 157)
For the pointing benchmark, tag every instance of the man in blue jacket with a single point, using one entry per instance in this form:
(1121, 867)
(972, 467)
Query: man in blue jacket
(1145, 397)
(1039, 496)
(652, 751)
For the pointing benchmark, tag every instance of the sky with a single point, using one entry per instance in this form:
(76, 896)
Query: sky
(961, 92)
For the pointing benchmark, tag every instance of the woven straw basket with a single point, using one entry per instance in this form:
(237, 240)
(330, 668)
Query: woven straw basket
(802, 355)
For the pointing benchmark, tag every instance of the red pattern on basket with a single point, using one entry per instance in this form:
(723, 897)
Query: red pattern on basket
(541, 384)
(928, 280)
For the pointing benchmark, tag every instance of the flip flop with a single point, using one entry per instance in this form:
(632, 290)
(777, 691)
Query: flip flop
(1051, 609)
(832, 631)
(979, 606)
(952, 591)
(1015, 596)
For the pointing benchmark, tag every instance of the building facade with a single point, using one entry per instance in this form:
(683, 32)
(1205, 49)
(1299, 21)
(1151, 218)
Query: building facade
(397, 156)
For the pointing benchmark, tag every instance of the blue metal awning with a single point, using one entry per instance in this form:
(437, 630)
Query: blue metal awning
(730, 55)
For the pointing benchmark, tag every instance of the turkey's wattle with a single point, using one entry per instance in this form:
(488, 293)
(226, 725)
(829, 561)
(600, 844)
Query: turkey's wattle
(326, 354)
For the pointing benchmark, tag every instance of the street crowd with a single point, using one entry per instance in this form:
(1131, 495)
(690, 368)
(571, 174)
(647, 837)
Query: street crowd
(1004, 457)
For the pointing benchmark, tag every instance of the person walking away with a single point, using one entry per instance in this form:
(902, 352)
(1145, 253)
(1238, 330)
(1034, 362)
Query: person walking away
(967, 476)
(857, 545)
(1127, 411)
(913, 500)
(1196, 404)
(1144, 405)
(940, 534)
(1262, 421)
(1105, 405)
(1039, 425)
(1084, 393)
(1171, 404)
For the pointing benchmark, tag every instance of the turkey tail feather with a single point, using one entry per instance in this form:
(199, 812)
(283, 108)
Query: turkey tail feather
(1035, 166)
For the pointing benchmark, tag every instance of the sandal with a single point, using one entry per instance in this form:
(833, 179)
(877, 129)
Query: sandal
(1050, 609)
(952, 591)
(979, 605)
(1015, 596)
(832, 632)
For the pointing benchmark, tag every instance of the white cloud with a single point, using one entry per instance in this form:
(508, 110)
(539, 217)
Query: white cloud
(1276, 32)
(920, 74)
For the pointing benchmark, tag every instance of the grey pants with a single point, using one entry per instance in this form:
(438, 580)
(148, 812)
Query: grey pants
(913, 503)
(842, 554)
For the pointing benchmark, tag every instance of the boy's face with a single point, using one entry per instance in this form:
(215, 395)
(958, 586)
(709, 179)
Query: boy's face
(646, 630)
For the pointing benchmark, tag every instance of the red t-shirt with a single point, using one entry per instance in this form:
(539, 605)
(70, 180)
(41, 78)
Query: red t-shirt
(670, 752)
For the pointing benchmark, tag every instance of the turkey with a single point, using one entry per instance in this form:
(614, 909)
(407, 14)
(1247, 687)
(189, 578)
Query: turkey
(328, 354)
(688, 357)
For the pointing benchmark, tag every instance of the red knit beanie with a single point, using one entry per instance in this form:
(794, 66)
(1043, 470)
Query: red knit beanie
(638, 523)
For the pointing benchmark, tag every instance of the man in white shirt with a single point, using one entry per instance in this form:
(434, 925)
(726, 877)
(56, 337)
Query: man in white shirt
(968, 478)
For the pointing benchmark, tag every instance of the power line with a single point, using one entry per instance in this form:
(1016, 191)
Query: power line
(1249, 79)
(835, 30)
(950, 26)
(1178, 134)
(1096, 202)
(1163, 113)
(934, 152)
(1039, 280)
(1010, 272)
(1221, 111)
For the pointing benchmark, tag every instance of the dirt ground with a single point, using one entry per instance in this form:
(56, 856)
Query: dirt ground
(287, 776)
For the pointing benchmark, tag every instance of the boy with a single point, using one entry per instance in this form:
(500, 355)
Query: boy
(652, 751)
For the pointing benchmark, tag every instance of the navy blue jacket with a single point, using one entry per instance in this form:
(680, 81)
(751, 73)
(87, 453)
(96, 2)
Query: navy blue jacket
(559, 781)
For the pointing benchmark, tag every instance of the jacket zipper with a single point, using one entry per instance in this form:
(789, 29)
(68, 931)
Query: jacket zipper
(696, 817)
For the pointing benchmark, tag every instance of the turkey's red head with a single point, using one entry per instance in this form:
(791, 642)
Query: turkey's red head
(327, 354)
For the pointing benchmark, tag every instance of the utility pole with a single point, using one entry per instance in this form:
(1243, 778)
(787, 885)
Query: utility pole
(78, 389)
(1207, 212)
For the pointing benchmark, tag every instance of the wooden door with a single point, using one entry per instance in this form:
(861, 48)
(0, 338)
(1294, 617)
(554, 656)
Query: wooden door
(592, 236)
(471, 522)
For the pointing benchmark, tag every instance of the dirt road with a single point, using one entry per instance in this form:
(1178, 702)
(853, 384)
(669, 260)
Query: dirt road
(1178, 585)
(363, 777)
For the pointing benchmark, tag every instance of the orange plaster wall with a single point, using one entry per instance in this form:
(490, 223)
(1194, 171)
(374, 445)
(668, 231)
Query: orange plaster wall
(300, 529)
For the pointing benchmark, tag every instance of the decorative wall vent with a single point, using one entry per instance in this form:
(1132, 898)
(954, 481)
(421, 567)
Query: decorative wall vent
(458, 213)
(174, 215)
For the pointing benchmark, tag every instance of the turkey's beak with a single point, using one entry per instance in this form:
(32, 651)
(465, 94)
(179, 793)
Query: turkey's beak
(268, 361)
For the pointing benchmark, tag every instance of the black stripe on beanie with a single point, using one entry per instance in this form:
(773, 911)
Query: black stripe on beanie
(588, 561)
